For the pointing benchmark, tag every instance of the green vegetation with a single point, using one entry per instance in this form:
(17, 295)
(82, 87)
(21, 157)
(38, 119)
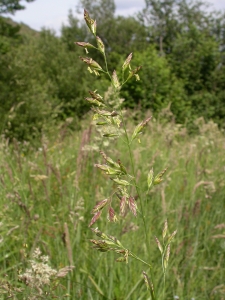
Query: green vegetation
(51, 185)
(43, 189)
(11, 6)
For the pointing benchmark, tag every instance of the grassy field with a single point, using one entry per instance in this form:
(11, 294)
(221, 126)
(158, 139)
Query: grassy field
(47, 195)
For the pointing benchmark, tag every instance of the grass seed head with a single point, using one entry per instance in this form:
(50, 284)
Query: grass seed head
(94, 102)
(132, 205)
(159, 245)
(171, 237)
(100, 44)
(158, 178)
(115, 81)
(96, 96)
(100, 205)
(123, 203)
(132, 73)
(121, 182)
(165, 228)
(166, 258)
(95, 218)
(127, 62)
(121, 259)
(111, 215)
(84, 45)
(100, 245)
(147, 280)
(90, 22)
(92, 64)
(150, 178)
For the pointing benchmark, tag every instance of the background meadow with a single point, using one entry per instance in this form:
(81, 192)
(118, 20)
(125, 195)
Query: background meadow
(48, 193)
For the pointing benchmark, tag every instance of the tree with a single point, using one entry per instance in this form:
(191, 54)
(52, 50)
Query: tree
(11, 6)
(158, 87)
(7, 29)
(167, 19)
(160, 19)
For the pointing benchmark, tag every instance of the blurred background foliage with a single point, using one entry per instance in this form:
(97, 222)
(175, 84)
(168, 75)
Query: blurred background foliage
(179, 44)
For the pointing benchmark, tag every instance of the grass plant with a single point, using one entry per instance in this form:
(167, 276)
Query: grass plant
(109, 115)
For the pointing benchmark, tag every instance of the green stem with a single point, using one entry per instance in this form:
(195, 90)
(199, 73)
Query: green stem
(133, 173)
(138, 258)
(139, 195)
(106, 66)
(136, 186)
(164, 275)
(164, 270)
(134, 255)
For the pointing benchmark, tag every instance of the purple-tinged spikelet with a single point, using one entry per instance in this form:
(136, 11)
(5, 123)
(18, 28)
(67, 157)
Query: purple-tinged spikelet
(95, 218)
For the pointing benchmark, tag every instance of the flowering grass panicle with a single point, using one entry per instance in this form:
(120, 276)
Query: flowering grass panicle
(109, 116)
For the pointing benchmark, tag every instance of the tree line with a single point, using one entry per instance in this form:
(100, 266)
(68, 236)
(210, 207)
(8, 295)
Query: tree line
(180, 45)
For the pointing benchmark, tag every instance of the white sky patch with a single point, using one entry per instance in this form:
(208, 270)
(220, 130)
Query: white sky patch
(128, 4)
(219, 4)
(52, 13)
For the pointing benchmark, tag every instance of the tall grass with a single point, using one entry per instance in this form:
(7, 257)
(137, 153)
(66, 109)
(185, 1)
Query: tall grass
(44, 189)
(110, 119)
